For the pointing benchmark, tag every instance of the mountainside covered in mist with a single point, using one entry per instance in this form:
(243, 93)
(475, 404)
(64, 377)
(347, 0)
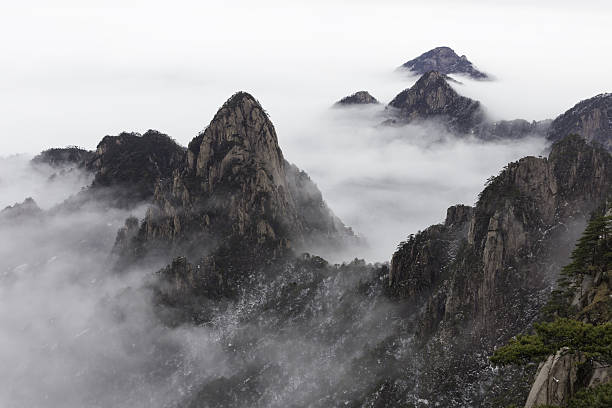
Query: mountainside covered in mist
(216, 292)
(433, 99)
(484, 275)
(445, 61)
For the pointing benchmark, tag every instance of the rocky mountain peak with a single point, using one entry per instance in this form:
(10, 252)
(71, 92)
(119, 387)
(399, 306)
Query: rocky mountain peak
(358, 98)
(235, 198)
(431, 97)
(240, 139)
(444, 60)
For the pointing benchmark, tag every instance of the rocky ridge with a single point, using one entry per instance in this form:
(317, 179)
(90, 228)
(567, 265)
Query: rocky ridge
(66, 156)
(233, 204)
(487, 271)
(590, 118)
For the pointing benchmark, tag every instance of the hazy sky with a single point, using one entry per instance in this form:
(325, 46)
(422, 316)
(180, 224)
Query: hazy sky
(74, 71)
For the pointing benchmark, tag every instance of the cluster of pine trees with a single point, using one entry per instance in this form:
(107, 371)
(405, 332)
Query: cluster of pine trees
(570, 324)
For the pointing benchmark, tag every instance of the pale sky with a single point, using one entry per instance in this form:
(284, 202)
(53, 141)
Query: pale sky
(74, 71)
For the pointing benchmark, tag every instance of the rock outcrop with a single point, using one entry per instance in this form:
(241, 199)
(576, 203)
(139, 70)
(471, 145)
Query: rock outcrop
(234, 203)
(432, 98)
(487, 271)
(560, 377)
(591, 119)
(445, 61)
(358, 98)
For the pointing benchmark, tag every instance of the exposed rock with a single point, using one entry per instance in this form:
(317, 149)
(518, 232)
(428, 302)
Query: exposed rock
(358, 98)
(556, 380)
(445, 61)
(488, 281)
(432, 98)
(591, 119)
(234, 202)
(70, 156)
(562, 375)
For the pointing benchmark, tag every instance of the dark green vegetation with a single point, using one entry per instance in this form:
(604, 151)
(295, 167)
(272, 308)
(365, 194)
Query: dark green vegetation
(593, 341)
(578, 317)
(135, 162)
(71, 155)
(597, 397)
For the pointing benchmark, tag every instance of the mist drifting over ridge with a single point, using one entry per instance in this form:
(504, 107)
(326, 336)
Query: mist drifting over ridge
(78, 331)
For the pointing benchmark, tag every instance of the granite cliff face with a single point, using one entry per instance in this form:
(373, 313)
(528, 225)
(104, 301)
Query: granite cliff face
(358, 98)
(591, 119)
(233, 203)
(487, 271)
(445, 61)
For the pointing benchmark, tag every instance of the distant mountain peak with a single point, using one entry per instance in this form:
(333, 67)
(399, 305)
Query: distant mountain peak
(431, 97)
(444, 60)
(358, 98)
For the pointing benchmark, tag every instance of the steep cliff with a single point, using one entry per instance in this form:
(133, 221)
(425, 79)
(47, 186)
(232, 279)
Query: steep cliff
(233, 204)
(485, 277)
(574, 342)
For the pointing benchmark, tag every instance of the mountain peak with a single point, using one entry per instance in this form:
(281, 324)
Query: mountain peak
(431, 77)
(240, 136)
(358, 98)
(431, 97)
(240, 98)
(444, 60)
(236, 194)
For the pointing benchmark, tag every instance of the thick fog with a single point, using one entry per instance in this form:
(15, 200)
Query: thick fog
(77, 334)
